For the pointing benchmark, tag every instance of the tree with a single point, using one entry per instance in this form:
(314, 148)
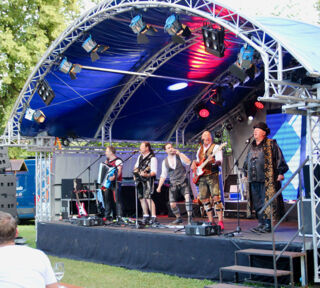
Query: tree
(318, 8)
(27, 28)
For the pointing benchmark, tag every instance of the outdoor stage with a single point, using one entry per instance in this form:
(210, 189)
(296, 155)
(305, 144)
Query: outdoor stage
(162, 249)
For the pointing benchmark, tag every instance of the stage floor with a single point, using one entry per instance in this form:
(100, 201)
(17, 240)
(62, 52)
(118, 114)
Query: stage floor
(161, 249)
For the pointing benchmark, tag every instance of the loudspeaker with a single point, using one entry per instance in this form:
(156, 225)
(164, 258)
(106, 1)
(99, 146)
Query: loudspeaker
(236, 71)
(66, 188)
(4, 158)
(307, 220)
(8, 199)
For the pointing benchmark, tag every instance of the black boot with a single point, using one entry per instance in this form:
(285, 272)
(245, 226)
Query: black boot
(267, 227)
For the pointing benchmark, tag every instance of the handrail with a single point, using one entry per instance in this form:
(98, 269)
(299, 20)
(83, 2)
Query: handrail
(284, 187)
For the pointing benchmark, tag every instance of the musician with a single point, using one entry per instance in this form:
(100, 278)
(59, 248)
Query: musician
(112, 195)
(146, 171)
(264, 168)
(209, 181)
(173, 166)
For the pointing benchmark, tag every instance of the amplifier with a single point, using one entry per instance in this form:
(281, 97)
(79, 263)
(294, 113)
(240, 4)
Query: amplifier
(202, 229)
(90, 221)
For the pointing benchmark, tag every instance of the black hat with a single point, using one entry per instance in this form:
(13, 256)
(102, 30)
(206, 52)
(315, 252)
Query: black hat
(263, 126)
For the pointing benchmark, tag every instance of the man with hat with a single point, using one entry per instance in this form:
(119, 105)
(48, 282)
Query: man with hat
(264, 167)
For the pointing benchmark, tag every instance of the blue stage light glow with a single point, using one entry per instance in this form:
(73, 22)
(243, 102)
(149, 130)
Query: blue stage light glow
(178, 86)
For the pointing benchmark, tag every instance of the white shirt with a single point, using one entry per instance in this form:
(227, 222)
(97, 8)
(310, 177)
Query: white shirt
(218, 155)
(172, 161)
(153, 163)
(24, 267)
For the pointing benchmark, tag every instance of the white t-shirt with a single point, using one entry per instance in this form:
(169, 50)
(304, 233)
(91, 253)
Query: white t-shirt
(153, 163)
(24, 267)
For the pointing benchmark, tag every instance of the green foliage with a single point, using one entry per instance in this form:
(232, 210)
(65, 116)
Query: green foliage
(20, 153)
(318, 8)
(27, 28)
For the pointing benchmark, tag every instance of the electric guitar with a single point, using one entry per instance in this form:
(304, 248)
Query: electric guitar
(80, 206)
(198, 171)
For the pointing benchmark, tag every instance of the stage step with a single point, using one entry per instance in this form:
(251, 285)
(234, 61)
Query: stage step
(254, 270)
(224, 285)
(262, 252)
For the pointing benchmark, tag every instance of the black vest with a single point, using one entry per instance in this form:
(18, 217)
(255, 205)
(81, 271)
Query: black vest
(177, 176)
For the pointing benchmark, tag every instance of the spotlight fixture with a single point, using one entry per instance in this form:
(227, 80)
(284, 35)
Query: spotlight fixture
(216, 97)
(45, 92)
(218, 134)
(213, 39)
(202, 111)
(229, 126)
(39, 116)
(244, 66)
(259, 105)
(69, 68)
(177, 30)
(142, 29)
(93, 48)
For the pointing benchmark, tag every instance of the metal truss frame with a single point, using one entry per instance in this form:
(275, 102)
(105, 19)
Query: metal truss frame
(271, 51)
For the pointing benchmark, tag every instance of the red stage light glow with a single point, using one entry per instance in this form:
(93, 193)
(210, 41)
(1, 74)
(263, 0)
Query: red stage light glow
(259, 105)
(204, 113)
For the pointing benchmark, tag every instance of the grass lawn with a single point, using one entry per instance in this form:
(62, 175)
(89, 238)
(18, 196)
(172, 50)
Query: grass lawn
(93, 275)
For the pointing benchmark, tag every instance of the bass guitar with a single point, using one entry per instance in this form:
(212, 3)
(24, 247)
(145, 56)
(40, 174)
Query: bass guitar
(198, 171)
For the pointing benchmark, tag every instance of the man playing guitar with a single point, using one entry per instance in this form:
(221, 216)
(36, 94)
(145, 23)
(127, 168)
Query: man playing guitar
(112, 186)
(145, 171)
(209, 181)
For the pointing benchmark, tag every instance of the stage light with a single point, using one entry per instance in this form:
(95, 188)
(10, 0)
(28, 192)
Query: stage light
(213, 39)
(177, 86)
(259, 105)
(216, 97)
(39, 116)
(177, 30)
(229, 126)
(218, 134)
(202, 111)
(244, 66)
(250, 118)
(142, 29)
(45, 92)
(69, 68)
(93, 48)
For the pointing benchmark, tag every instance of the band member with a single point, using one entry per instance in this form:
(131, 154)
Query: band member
(145, 173)
(209, 181)
(173, 166)
(112, 194)
(264, 168)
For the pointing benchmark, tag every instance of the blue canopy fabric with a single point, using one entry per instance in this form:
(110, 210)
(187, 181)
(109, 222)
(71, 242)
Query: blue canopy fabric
(80, 105)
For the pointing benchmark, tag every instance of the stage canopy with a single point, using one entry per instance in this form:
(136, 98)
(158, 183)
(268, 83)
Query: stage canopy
(139, 107)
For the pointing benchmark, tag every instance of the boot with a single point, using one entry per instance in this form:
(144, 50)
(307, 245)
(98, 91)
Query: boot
(145, 220)
(177, 221)
(220, 223)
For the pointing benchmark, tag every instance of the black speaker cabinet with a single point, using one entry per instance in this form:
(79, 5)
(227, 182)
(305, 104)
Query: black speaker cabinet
(8, 199)
(307, 217)
(66, 188)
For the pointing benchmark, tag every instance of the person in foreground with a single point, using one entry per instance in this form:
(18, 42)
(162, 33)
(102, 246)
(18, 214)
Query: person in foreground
(22, 266)
(264, 168)
(173, 166)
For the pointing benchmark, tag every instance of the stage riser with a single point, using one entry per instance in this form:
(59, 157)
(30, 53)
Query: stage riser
(177, 254)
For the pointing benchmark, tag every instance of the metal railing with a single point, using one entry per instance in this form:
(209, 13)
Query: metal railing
(276, 255)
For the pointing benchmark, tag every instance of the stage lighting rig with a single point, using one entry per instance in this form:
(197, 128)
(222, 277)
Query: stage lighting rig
(39, 116)
(176, 29)
(202, 111)
(69, 68)
(213, 39)
(216, 96)
(93, 48)
(244, 66)
(45, 92)
(139, 27)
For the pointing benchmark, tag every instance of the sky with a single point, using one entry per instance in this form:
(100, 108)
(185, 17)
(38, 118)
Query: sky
(303, 10)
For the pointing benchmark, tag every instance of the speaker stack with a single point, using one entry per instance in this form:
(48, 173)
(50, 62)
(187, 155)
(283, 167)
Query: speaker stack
(8, 199)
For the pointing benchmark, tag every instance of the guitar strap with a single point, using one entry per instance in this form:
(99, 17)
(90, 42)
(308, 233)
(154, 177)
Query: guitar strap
(144, 163)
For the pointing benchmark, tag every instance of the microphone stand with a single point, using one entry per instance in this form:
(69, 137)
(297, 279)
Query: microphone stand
(236, 164)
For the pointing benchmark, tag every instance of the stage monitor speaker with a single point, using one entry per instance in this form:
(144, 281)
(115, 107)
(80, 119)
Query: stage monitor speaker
(307, 217)
(66, 188)
(8, 199)
(4, 158)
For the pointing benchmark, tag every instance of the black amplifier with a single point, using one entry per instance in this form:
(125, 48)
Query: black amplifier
(90, 221)
(202, 229)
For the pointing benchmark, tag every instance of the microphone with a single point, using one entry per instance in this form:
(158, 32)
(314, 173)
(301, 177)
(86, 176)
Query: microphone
(249, 139)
